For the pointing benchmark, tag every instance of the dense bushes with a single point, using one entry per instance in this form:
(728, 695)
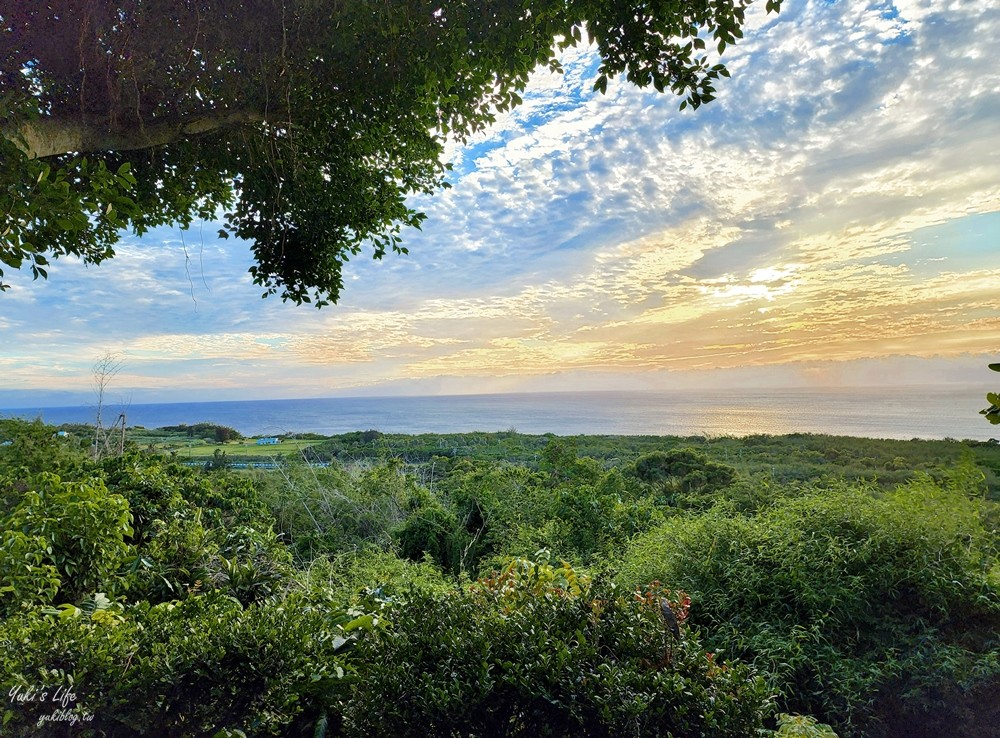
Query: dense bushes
(536, 650)
(31, 448)
(64, 540)
(185, 624)
(573, 507)
(171, 601)
(476, 514)
(840, 595)
(683, 470)
(188, 668)
(324, 511)
(781, 459)
(207, 431)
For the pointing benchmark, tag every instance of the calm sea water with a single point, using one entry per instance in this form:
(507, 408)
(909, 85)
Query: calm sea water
(875, 413)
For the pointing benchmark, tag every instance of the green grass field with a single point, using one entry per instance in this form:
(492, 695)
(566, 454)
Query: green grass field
(198, 449)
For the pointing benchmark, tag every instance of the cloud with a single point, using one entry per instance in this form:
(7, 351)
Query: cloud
(839, 201)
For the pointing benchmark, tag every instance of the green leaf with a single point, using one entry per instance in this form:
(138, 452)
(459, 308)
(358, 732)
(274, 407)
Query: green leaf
(365, 621)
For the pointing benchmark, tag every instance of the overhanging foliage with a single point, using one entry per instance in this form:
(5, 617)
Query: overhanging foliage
(307, 123)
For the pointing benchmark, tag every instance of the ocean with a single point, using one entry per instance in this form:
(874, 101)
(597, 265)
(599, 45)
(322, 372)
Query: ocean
(903, 413)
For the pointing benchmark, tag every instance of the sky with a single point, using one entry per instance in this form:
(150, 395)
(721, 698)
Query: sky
(832, 219)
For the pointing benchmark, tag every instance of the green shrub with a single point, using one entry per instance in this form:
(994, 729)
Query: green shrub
(802, 726)
(251, 565)
(77, 529)
(174, 560)
(431, 531)
(196, 532)
(582, 513)
(153, 490)
(346, 576)
(682, 471)
(26, 577)
(325, 511)
(30, 448)
(840, 595)
(183, 669)
(494, 504)
(535, 651)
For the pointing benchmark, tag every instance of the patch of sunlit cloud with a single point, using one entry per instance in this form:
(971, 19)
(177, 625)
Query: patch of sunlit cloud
(503, 357)
(184, 347)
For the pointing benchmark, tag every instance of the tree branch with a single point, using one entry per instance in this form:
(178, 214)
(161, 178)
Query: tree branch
(47, 137)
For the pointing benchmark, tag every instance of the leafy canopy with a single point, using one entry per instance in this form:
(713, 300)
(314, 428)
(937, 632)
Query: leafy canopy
(307, 123)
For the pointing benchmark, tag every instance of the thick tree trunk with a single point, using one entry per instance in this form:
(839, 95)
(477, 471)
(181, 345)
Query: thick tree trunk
(51, 137)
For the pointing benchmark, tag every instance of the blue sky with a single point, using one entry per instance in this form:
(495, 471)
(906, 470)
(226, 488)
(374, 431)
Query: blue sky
(833, 218)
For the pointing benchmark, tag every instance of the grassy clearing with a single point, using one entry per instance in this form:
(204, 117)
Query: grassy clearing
(200, 450)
